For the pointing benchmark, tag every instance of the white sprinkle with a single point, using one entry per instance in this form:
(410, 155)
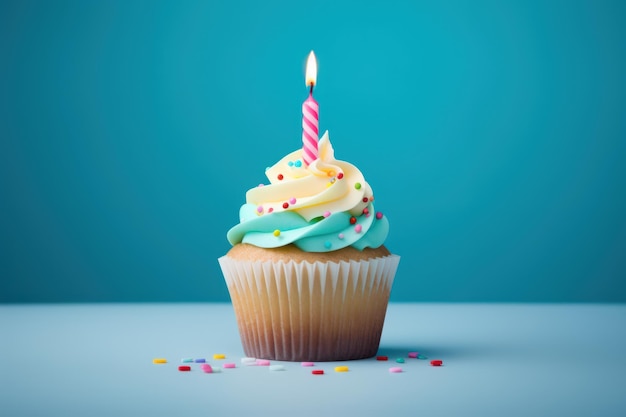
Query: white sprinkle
(248, 361)
(277, 368)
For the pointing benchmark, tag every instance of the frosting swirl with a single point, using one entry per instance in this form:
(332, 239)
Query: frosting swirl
(325, 206)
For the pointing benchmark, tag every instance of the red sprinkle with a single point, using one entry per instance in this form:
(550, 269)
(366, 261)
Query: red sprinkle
(365, 199)
(352, 220)
(184, 368)
(317, 372)
(280, 176)
(270, 210)
(382, 358)
(436, 362)
(340, 175)
(285, 205)
(366, 211)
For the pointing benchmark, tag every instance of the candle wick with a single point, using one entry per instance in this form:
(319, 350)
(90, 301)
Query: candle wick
(311, 90)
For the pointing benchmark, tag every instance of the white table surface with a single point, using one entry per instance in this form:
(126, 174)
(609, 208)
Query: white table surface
(499, 360)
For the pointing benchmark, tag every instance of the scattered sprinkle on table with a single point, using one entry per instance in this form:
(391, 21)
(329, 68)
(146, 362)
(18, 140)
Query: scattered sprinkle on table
(159, 360)
(219, 356)
(382, 358)
(184, 368)
(413, 354)
(307, 364)
(395, 369)
(277, 368)
(228, 365)
(400, 360)
(341, 369)
(200, 360)
(317, 372)
(248, 361)
(420, 356)
(436, 362)
(186, 360)
(207, 369)
(263, 362)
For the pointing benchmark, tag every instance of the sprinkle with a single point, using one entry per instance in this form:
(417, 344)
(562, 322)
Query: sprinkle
(186, 360)
(159, 360)
(366, 212)
(317, 372)
(280, 177)
(248, 361)
(285, 205)
(379, 215)
(326, 213)
(207, 369)
(276, 232)
(436, 362)
(184, 368)
(372, 198)
(277, 368)
(307, 364)
(357, 185)
(382, 358)
(298, 163)
(341, 369)
(340, 175)
(200, 360)
(271, 209)
(263, 362)
(219, 356)
(352, 220)
(290, 163)
(365, 199)
(261, 185)
(228, 365)
(395, 369)
(327, 244)
(292, 200)
(331, 173)
(420, 356)
(340, 236)
(413, 354)
(358, 228)
(400, 360)
(259, 209)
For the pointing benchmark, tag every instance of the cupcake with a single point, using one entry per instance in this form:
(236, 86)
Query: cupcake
(308, 274)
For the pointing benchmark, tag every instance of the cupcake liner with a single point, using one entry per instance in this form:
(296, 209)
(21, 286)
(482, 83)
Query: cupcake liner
(301, 311)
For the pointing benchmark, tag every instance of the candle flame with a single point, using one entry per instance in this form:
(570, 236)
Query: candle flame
(311, 70)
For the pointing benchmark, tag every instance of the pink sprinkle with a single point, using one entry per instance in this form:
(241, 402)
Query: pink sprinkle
(228, 365)
(261, 185)
(271, 209)
(307, 364)
(263, 362)
(358, 228)
(326, 213)
(259, 209)
(292, 200)
(413, 354)
(206, 368)
(379, 215)
(340, 236)
(395, 369)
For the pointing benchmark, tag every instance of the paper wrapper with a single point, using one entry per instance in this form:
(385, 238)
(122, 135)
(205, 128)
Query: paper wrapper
(323, 311)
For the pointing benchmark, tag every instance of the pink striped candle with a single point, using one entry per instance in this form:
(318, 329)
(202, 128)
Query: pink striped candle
(310, 115)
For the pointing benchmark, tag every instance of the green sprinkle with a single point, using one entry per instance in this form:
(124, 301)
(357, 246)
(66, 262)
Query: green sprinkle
(357, 185)
(400, 360)
(422, 357)
(187, 360)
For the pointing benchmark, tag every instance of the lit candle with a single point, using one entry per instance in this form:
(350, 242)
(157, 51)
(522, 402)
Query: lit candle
(310, 115)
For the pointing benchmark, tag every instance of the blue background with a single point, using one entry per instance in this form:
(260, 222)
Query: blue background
(493, 134)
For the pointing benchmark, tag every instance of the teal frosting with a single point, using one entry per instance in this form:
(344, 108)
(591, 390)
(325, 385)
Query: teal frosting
(322, 234)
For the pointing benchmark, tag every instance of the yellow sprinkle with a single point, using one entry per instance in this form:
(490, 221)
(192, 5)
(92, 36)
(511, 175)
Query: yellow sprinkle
(159, 360)
(341, 369)
(276, 232)
(219, 356)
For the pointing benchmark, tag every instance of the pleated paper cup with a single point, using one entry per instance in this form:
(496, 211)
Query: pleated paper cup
(302, 311)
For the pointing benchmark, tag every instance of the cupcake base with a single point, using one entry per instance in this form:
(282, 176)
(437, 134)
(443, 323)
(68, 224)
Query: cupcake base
(301, 311)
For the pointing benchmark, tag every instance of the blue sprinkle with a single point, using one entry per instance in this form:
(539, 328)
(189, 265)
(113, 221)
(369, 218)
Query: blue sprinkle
(290, 163)
(327, 244)
(200, 360)
(298, 163)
